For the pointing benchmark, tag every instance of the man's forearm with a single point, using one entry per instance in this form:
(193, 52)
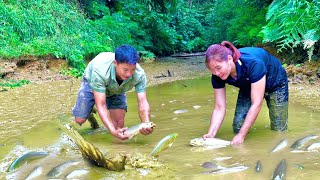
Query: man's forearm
(144, 112)
(105, 118)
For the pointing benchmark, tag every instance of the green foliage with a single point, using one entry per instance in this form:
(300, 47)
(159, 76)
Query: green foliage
(77, 30)
(146, 57)
(159, 6)
(238, 21)
(293, 23)
(44, 27)
(95, 9)
(284, 65)
(73, 72)
(188, 24)
(13, 84)
(153, 32)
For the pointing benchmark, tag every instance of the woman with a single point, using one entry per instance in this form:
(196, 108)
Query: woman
(258, 74)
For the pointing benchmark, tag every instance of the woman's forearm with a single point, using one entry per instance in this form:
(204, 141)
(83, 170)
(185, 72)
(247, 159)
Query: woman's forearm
(216, 121)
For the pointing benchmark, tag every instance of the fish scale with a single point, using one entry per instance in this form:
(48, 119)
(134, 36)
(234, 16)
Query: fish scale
(301, 142)
(90, 152)
(163, 144)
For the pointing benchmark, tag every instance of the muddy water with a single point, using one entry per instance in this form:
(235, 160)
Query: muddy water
(30, 122)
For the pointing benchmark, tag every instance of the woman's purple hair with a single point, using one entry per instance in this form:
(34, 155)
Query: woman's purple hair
(222, 51)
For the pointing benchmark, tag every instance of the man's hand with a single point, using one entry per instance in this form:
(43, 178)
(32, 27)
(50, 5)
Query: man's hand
(146, 131)
(238, 139)
(119, 133)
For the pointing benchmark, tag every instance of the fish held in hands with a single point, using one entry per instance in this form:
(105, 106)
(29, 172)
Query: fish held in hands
(134, 130)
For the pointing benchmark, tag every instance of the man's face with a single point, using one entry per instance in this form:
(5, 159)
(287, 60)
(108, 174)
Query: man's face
(124, 70)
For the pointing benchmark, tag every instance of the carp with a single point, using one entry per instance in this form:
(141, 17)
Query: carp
(212, 142)
(163, 144)
(134, 130)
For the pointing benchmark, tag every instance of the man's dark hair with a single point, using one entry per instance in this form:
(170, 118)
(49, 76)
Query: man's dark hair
(126, 54)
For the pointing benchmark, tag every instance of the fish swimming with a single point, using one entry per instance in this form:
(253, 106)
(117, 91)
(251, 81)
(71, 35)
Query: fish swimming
(227, 170)
(283, 143)
(26, 158)
(314, 147)
(301, 142)
(134, 130)
(180, 111)
(213, 142)
(163, 144)
(77, 173)
(58, 170)
(212, 166)
(280, 171)
(35, 173)
(258, 166)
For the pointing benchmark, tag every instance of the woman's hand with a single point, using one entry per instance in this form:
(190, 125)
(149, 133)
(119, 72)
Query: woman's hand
(238, 139)
(207, 136)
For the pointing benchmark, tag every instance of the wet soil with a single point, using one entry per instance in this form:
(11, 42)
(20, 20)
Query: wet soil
(304, 79)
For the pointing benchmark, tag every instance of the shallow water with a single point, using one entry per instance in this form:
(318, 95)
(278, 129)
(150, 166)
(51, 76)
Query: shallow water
(30, 122)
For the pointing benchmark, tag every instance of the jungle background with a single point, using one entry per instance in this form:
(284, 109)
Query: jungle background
(66, 34)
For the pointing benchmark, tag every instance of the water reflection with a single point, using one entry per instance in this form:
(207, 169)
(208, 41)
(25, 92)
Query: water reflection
(30, 115)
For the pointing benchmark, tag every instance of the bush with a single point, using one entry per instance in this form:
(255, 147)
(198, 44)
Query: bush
(293, 23)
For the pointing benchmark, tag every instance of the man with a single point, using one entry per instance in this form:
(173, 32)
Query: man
(106, 80)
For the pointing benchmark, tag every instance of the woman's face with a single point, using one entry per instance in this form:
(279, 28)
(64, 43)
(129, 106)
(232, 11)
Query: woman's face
(220, 68)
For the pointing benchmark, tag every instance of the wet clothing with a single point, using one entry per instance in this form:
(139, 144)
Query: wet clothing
(100, 75)
(85, 101)
(277, 102)
(253, 64)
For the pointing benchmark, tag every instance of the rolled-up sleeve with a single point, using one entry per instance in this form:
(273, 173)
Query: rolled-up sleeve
(97, 82)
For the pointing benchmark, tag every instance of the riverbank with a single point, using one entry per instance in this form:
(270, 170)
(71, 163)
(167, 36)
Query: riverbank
(304, 80)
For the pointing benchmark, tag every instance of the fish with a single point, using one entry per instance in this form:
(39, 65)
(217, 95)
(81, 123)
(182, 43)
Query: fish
(222, 158)
(298, 166)
(17, 163)
(212, 142)
(258, 166)
(196, 107)
(92, 153)
(301, 142)
(163, 144)
(77, 173)
(283, 143)
(280, 171)
(227, 170)
(314, 147)
(58, 170)
(180, 111)
(134, 130)
(35, 173)
(210, 165)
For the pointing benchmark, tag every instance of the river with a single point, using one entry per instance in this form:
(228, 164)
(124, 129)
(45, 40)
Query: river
(30, 122)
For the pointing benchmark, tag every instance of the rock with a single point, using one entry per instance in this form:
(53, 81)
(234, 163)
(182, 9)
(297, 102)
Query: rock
(318, 72)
